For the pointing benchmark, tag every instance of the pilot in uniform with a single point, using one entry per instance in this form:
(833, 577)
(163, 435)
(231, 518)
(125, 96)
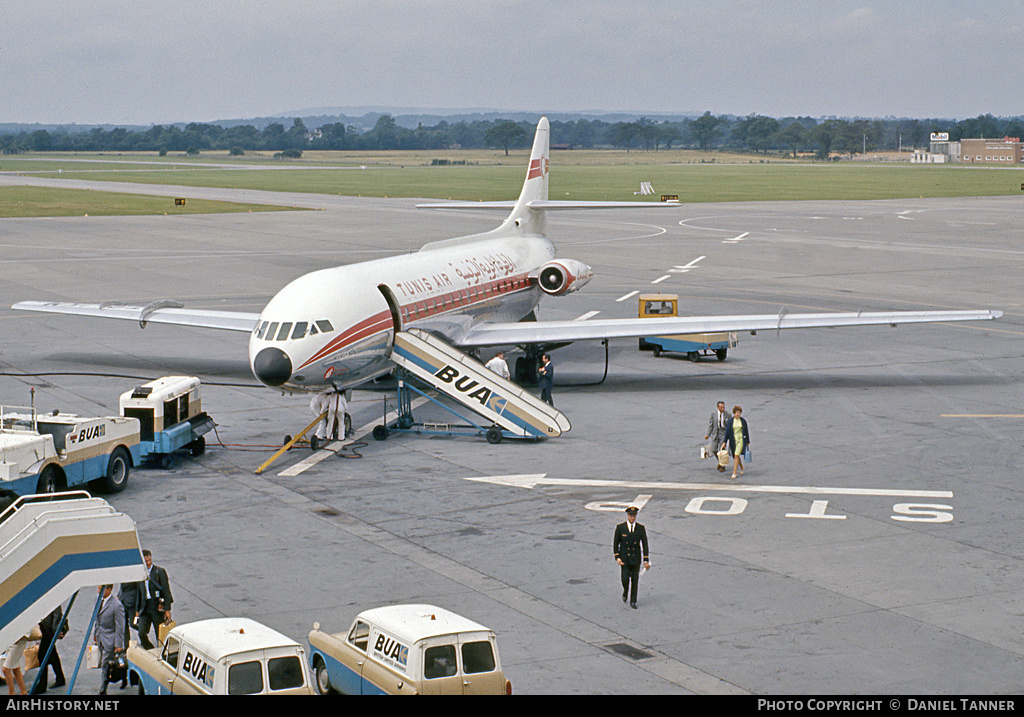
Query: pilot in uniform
(629, 538)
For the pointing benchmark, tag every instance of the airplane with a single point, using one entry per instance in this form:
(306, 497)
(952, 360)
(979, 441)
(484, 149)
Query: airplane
(335, 327)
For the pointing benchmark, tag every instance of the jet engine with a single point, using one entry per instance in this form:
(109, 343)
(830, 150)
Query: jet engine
(562, 276)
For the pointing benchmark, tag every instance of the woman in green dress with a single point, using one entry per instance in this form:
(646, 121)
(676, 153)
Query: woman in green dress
(737, 437)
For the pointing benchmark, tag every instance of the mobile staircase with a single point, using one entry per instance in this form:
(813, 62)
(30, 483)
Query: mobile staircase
(53, 545)
(507, 409)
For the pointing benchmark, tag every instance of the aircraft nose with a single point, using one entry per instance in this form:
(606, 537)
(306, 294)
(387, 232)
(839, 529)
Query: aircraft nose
(272, 366)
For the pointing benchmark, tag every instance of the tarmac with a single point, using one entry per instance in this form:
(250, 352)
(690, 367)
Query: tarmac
(872, 545)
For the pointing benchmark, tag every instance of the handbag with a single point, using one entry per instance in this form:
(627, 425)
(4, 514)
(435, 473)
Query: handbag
(31, 657)
(748, 455)
(92, 657)
(723, 457)
(707, 451)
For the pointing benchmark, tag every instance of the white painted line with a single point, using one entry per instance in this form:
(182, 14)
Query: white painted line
(627, 296)
(533, 481)
(740, 238)
(327, 451)
(587, 315)
(682, 269)
(661, 279)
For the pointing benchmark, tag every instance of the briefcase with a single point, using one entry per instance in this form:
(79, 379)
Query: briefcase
(117, 667)
(92, 657)
(164, 628)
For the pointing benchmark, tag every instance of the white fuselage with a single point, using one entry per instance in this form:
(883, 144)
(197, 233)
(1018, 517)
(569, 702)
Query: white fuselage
(335, 327)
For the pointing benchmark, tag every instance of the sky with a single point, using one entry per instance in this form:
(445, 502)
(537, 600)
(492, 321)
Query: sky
(163, 61)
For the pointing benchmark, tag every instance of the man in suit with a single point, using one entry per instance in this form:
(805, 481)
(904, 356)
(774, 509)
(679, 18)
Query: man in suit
(48, 629)
(546, 378)
(629, 538)
(132, 600)
(109, 632)
(155, 595)
(716, 431)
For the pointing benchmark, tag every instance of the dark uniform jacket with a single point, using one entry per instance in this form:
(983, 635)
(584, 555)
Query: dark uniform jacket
(159, 588)
(627, 545)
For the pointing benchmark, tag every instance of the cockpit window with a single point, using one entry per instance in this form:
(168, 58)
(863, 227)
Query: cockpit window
(300, 330)
(271, 331)
(325, 326)
(285, 328)
(261, 329)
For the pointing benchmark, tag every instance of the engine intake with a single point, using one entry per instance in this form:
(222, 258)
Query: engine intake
(563, 276)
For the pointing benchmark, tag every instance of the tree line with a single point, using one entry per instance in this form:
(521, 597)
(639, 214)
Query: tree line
(753, 133)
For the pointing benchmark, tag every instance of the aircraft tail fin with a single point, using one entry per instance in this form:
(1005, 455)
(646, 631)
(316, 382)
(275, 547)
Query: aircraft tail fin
(535, 187)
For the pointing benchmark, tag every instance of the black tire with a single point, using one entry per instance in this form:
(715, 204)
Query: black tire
(49, 480)
(118, 468)
(693, 356)
(656, 350)
(323, 680)
(494, 435)
(197, 447)
(380, 433)
(721, 354)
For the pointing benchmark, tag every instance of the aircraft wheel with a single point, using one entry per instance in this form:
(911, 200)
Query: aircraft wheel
(380, 433)
(118, 468)
(494, 435)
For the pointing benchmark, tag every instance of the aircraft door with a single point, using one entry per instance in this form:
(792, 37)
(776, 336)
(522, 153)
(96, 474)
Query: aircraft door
(396, 312)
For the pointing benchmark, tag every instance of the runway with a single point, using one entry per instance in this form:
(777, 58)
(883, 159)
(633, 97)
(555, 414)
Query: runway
(872, 545)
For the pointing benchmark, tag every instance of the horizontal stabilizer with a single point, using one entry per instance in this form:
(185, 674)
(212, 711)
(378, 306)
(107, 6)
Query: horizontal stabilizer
(539, 205)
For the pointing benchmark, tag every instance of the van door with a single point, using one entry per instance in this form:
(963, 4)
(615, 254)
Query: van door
(441, 674)
(479, 666)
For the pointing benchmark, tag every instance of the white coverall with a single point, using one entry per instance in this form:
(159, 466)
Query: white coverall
(335, 404)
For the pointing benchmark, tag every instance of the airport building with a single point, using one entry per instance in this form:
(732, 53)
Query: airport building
(990, 151)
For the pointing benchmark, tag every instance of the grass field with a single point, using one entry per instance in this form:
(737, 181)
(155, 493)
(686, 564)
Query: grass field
(47, 202)
(489, 175)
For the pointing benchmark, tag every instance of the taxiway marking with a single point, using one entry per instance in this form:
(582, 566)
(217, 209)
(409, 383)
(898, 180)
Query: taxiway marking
(736, 240)
(686, 267)
(327, 451)
(627, 296)
(661, 279)
(587, 315)
(532, 481)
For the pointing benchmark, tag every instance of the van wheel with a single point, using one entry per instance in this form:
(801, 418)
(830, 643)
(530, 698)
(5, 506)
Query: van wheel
(118, 469)
(323, 680)
(49, 481)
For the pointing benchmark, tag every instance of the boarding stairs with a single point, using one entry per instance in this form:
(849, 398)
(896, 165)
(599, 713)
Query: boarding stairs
(503, 404)
(53, 545)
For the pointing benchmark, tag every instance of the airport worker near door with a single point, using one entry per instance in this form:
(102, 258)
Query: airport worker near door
(716, 431)
(737, 437)
(546, 373)
(629, 544)
(333, 403)
(499, 366)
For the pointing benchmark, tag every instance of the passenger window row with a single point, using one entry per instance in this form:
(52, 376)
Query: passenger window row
(279, 331)
(463, 297)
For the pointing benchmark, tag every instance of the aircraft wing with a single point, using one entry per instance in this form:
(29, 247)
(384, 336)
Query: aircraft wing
(159, 312)
(539, 332)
